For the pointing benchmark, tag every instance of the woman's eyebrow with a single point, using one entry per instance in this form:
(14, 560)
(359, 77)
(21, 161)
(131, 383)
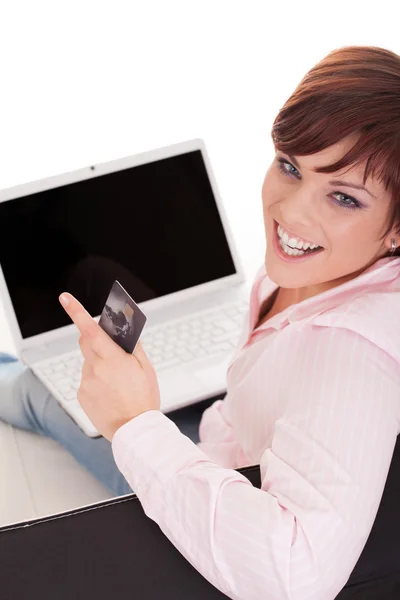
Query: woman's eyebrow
(335, 181)
(352, 185)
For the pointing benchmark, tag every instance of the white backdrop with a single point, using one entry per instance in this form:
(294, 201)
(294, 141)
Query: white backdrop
(84, 82)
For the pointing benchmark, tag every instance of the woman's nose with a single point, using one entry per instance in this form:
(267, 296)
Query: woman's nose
(299, 209)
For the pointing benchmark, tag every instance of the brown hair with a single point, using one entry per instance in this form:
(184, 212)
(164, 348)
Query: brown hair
(355, 89)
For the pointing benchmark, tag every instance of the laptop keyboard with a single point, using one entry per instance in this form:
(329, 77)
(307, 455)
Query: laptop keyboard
(200, 335)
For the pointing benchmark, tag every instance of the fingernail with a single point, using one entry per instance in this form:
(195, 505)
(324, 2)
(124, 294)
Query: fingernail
(64, 300)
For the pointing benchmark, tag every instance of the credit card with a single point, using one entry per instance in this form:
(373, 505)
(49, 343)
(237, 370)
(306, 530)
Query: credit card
(122, 319)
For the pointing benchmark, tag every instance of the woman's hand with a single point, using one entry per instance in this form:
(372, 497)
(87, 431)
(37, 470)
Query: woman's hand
(116, 386)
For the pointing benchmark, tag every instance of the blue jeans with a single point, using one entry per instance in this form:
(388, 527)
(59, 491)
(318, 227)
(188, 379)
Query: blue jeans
(25, 403)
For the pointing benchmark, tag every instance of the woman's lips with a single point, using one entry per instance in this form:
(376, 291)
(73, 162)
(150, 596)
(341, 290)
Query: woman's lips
(285, 257)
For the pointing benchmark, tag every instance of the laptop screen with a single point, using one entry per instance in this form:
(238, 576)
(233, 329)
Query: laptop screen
(154, 227)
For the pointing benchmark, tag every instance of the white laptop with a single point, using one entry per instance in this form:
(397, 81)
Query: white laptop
(156, 223)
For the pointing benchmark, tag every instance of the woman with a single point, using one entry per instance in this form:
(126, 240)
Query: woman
(314, 385)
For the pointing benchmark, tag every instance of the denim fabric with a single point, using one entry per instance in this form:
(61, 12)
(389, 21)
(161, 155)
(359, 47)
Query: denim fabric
(25, 403)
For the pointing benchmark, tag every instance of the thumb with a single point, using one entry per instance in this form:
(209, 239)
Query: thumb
(140, 354)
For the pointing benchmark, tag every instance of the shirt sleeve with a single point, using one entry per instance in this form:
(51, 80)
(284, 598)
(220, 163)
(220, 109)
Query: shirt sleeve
(323, 476)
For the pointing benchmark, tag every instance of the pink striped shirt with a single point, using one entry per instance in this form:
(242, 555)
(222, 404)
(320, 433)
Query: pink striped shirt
(313, 396)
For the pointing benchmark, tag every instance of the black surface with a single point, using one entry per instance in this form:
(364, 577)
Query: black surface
(112, 550)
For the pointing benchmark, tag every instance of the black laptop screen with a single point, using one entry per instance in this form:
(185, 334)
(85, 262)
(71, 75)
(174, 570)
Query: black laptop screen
(154, 227)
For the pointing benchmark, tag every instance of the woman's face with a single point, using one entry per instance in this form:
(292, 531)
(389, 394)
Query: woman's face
(346, 221)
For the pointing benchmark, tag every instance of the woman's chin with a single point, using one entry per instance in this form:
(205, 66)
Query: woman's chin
(283, 274)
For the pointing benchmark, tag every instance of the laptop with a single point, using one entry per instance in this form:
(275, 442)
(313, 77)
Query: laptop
(156, 223)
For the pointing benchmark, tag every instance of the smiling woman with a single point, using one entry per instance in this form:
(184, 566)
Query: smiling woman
(343, 118)
(313, 388)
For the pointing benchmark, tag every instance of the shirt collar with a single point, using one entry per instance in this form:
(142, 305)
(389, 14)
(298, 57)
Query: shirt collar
(383, 274)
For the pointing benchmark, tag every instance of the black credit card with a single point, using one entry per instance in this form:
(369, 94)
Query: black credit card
(122, 319)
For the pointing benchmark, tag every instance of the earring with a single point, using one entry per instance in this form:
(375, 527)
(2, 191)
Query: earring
(394, 246)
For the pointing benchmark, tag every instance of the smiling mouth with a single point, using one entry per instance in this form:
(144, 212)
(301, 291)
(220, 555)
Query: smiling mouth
(293, 246)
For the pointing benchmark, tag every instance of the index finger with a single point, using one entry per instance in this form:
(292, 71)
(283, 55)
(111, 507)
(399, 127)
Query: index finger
(101, 343)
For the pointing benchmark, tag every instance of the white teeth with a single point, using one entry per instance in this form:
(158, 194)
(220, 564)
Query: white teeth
(294, 242)
(290, 251)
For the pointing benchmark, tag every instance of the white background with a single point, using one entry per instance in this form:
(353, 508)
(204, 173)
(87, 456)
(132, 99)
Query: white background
(87, 82)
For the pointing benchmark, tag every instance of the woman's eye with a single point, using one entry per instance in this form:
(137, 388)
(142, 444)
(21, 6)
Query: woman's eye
(287, 168)
(346, 201)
